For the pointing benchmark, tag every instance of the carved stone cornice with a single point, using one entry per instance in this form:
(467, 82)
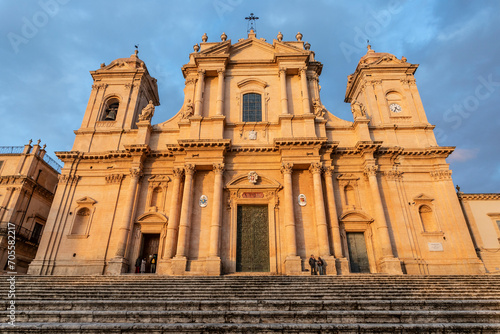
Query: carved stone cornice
(218, 168)
(316, 167)
(189, 169)
(300, 141)
(184, 143)
(487, 197)
(287, 168)
(114, 178)
(138, 149)
(441, 175)
(253, 149)
(99, 86)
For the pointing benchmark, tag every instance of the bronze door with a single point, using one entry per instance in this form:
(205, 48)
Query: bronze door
(358, 257)
(150, 248)
(252, 241)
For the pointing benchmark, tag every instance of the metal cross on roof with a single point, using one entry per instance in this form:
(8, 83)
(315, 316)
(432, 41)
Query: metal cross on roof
(251, 22)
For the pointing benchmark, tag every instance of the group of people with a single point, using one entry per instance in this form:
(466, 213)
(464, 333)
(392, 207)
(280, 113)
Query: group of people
(140, 265)
(317, 265)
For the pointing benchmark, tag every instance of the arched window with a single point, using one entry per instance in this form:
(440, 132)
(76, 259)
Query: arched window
(427, 218)
(111, 109)
(81, 221)
(252, 108)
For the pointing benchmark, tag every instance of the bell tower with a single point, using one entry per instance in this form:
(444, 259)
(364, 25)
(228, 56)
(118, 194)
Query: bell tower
(119, 92)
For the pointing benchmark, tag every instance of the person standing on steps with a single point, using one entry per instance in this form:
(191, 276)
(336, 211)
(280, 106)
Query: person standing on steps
(312, 263)
(138, 265)
(153, 264)
(143, 266)
(320, 264)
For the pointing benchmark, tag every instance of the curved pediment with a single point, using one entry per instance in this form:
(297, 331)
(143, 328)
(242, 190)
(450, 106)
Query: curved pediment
(355, 216)
(152, 217)
(242, 181)
(86, 201)
(252, 81)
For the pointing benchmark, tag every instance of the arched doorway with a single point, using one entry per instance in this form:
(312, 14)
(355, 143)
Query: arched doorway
(151, 230)
(357, 241)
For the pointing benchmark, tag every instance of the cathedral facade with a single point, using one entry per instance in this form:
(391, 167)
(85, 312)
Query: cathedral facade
(254, 174)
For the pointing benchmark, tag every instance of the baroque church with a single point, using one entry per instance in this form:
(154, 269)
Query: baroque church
(254, 174)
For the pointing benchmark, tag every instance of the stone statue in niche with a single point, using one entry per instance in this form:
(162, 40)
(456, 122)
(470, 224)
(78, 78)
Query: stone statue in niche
(358, 109)
(188, 110)
(111, 112)
(147, 112)
(319, 109)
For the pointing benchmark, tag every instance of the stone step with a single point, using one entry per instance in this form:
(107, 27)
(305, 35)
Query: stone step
(256, 305)
(119, 328)
(255, 317)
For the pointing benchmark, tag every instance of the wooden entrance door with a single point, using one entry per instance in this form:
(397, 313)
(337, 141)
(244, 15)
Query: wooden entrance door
(358, 257)
(252, 240)
(150, 248)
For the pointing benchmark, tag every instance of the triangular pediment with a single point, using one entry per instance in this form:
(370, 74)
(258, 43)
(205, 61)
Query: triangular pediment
(86, 200)
(252, 49)
(217, 49)
(423, 198)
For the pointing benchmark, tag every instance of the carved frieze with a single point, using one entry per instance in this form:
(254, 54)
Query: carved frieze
(114, 178)
(394, 175)
(441, 175)
(370, 170)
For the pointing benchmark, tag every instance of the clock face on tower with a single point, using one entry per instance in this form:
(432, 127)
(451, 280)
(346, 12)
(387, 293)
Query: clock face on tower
(394, 107)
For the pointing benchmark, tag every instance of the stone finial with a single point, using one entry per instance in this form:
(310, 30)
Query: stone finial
(44, 146)
(307, 46)
(103, 65)
(38, 142)
(204, 38)
(280, 36)
(31, 140)
(298, 37)
(403, 59)
(252, 34)
(136, 52)
(196, 48)
(223, 37)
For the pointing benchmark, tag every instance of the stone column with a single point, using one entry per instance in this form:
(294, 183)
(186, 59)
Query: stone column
(306, 104)
(389, 264)
(198, 103)
(284, 97)
(220, 93)
(185, 220)
(213, 264)
(173, 221)
(292, 261)
(127, 221)
(319, 205)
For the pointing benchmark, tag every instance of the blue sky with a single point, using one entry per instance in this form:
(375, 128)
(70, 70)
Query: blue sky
(48, 47)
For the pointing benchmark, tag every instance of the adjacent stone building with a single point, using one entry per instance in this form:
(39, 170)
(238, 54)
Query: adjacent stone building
(254, 174)
(482, 213)
(28, 181)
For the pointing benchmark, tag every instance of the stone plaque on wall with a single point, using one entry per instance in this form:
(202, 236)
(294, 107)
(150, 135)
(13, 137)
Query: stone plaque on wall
(435, 246)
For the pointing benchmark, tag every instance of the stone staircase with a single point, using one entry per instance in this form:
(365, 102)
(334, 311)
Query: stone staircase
(253, 304)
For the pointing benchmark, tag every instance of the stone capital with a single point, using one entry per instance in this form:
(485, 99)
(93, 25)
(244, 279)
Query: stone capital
(201, 73)
(316, 167)
(287, 168)
(371, 170)
(178, 172)
(189, 169)
(221, 71)
(218, 168)
(135, 172)
(329, 171)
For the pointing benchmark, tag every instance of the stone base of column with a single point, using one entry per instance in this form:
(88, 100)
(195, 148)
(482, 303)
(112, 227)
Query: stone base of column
(342, 266)
(213, 266)
(293, 265)
(391, 266)
(330, 268)
(178, 266)
(164, 267)
(116, 266)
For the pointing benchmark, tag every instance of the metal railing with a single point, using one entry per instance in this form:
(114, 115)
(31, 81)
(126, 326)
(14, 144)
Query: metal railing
(11, 149)
(52, 163)
(23, 234)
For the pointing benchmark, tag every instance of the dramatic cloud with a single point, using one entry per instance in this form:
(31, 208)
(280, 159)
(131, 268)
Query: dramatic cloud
(47, 48)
